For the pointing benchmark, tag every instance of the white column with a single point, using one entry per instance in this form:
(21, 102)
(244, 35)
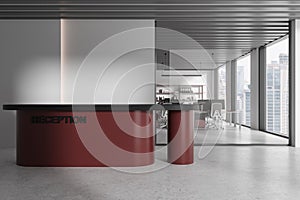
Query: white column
(216, 84)
(230, 86)
(294, 83)
(254, 89)
(233, 87)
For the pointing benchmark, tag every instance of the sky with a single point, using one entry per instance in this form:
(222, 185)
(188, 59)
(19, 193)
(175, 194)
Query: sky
(245, 62)
(274, 50)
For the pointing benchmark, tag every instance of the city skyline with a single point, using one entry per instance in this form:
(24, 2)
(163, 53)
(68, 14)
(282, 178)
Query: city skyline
(276, 90)
(277, 95)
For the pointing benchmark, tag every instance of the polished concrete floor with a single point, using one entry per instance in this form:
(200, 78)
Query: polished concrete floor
(228, 135)
(228, 172)
(219, 172)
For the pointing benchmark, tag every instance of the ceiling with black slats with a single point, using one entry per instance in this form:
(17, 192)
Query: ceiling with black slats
(226, 28)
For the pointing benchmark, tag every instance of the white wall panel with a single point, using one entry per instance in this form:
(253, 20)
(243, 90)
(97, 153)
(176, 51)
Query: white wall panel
(108, 61)
(30, 68)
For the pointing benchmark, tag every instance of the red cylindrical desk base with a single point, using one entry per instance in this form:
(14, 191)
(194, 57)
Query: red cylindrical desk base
(48, 138)
(181, 137)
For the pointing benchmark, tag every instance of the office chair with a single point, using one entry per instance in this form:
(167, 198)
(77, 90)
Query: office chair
(162, 118)
(216, 115)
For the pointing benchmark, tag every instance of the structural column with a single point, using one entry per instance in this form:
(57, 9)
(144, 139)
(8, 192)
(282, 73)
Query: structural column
(216, 83)
(230, 86)
(294, 84)
(262, 88)
(254, 89)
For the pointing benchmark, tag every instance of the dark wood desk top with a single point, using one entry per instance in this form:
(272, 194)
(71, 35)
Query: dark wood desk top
(101, 107)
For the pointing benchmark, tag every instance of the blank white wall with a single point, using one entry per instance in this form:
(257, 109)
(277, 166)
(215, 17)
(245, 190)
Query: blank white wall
(108, 61)
(30, 68)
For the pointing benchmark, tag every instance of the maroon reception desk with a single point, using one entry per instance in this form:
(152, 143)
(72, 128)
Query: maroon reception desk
(99, 135)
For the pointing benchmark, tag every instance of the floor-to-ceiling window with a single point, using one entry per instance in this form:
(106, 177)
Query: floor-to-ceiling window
(243, 97)
(277, 87)
(222, 82)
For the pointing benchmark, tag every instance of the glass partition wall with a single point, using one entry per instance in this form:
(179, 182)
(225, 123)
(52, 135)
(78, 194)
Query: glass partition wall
(277, 87)
(276, 99)
(243, 86)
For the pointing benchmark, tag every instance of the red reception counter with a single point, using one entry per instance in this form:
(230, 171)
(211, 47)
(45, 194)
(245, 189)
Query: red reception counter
(99, 135)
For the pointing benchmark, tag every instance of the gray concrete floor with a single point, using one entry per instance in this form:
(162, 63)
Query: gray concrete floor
(228, 135)
(226, 173)
(223, 172)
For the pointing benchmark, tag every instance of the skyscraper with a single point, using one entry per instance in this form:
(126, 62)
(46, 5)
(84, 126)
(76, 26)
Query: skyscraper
(247, 106)
(284, 93)
(240, 93)
(243, 101)
(222, 82)
(277, 95)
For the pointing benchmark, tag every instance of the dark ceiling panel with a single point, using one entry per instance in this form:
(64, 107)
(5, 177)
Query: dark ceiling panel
(226, 28)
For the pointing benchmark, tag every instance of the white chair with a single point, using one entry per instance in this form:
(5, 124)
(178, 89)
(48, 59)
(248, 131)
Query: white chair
(216, 115)
(162, 118)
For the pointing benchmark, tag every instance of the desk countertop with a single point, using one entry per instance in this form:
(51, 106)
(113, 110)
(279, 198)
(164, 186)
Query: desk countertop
(100, 107)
